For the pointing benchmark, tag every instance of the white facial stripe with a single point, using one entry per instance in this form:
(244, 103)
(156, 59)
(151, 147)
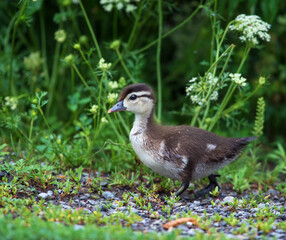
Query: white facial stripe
(138, 94)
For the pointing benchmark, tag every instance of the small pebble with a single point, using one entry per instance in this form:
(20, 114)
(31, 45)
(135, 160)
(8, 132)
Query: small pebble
(92, 202)
(43, 195)
(261, 205)
(103, 184)
(228, 199)
(108, 195)
(50, 193)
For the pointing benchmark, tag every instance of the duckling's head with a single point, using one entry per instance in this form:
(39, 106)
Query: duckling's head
(136, 98)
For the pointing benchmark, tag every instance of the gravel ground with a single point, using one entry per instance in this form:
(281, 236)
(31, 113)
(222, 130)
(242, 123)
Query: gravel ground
(108, 204)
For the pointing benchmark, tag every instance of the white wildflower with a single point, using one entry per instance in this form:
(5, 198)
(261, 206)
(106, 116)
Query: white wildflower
(93, 109)
(252, 28)
(113, 84)
(109, 5)
(199, 88)
(238, 79)
(130, 8)
(119, 6)
(111, 97)
(11, 102)
(103, 65)
(104, 120)
(214, 96)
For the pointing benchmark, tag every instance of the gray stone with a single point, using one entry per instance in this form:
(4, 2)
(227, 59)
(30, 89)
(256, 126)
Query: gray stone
(82, 203)
(272, 192)
(197, 203)
(82, 197)
(66, 207)
(108, 195)
(50, 193)
(261, 205)
(92, 202)
(228, 199)
(103, 183)
(43, 195)
(183, 227)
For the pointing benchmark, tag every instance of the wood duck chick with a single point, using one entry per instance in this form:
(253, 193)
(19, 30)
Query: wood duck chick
(182, 153)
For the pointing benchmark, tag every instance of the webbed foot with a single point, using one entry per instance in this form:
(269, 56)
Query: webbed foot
(212, 185)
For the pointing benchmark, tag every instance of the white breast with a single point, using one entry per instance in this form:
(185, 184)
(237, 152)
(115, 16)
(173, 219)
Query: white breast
(152, 157)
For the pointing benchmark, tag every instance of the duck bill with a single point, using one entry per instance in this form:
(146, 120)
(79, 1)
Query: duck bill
(118, 107)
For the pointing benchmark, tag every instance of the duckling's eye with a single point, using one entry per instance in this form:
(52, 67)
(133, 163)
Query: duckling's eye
(133, 97)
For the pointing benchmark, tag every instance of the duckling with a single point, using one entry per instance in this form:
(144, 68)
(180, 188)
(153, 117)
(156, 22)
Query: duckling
(182, 153)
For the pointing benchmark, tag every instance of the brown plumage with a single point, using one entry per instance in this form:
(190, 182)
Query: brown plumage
(183, 153)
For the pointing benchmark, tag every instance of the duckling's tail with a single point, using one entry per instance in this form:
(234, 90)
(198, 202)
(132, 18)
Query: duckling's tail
(246, 140)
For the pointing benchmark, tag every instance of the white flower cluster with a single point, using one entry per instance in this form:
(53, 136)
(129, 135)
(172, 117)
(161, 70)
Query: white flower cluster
(11, 102)
(111, 97)
(93, 109)
(104, 120)
(103, 65)
(199, 88)
(252, 28)
(238, 79)
(108, 5)
(113, 84)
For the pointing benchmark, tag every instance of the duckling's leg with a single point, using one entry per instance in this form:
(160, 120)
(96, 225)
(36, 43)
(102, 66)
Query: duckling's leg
(212, 185)
(183, 187)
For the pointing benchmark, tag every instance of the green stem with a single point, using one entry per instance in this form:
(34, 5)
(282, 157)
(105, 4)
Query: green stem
(44, 47)
(50, 130)
(127, 129)
(53, 77)
(72, 80)
(74, 21)
(120, 137)
(245, 55)
(124, 65)
(31, 128)
(205, 115)
(99, 98)
(89, 66)
(90, 29)
(240, 103)
(80, 76)
(173, 29)
(213, 20)
(12, 88)
(129, 43)
(158, 60)
(225, 101)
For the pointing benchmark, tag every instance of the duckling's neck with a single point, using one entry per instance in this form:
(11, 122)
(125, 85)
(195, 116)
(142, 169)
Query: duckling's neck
(142, 121)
